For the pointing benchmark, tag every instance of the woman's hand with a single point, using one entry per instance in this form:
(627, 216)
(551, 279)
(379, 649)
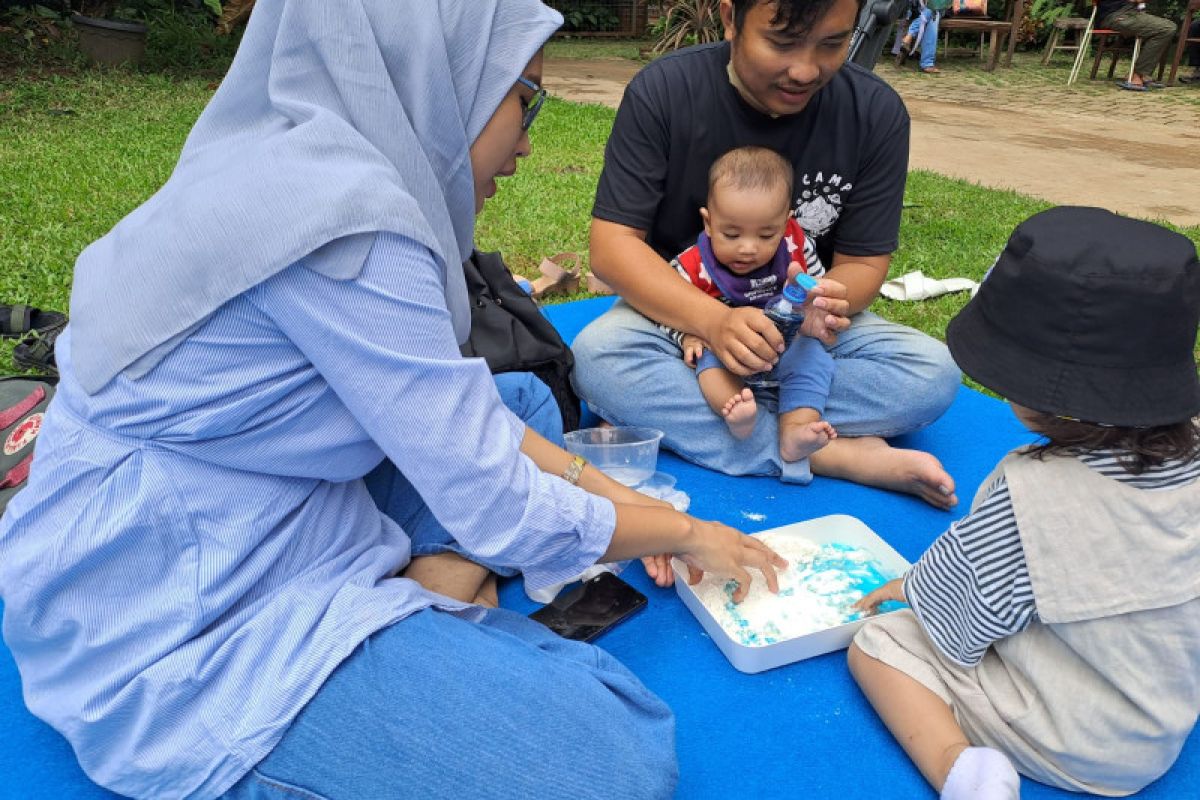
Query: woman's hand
(826, 311)
(892, 590)
(723, 551)
(659, 569)
(745, 340)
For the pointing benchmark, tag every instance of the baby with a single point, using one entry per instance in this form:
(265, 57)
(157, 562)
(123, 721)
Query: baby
(750, 248)
(1055, 630)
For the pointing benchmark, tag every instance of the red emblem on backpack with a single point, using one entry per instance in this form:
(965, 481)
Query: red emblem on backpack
(23, 434)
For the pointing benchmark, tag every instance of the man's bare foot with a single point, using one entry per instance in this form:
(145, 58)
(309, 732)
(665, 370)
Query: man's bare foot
(449, 574)
(801, 439)
(740, 413)
(872, 461)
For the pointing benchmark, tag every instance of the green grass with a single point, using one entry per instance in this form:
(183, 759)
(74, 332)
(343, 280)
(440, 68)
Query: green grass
(81, 150)
(567, 47)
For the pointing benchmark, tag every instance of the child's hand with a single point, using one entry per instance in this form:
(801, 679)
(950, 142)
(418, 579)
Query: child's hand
(825, 311)
(693, 348)
(659, 569)
(892, 590)
(794, 269)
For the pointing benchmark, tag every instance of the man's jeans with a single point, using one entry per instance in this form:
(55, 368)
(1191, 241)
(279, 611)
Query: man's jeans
(888, 380)
(925, 26)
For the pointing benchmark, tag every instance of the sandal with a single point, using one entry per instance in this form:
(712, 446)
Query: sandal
(1132, 87)
(18, 320)
(930, 70)
(597, 286)
(557, 279)
(35, 352)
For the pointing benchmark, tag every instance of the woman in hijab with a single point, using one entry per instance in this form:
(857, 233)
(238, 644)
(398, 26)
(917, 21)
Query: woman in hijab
(200, 590)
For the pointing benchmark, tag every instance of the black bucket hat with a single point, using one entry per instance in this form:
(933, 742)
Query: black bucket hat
(1088, 315)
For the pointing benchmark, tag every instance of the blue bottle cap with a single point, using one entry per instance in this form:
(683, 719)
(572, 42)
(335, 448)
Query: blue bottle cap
(798, 288)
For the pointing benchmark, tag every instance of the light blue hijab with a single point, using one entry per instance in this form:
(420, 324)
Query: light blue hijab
(337, 120)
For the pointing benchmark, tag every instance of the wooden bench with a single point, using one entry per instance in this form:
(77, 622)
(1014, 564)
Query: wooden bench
(996, 29)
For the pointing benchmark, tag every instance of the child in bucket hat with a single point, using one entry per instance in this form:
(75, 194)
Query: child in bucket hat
(1056, 628)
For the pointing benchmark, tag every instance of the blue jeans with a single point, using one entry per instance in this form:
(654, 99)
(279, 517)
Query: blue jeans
(888, 380)
(925, 25)
(438, 707)
(528, 398)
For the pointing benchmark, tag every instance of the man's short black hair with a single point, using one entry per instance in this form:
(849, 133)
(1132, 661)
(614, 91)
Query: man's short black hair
(793, 15)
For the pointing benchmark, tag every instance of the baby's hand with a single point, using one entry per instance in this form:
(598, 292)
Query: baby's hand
(693, 348)
(659, 569)
(892, 590)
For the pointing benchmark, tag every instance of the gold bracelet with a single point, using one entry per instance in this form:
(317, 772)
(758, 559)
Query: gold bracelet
(574, 470)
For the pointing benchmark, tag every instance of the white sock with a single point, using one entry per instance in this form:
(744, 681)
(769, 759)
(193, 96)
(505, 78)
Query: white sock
(981, 773)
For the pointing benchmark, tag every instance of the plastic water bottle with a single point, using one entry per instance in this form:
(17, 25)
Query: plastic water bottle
(784, 310)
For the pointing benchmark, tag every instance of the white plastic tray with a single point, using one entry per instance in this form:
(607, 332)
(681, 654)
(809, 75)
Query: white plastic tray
(834, 528)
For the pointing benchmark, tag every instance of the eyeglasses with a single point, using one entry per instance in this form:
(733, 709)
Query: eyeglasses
(533, 105)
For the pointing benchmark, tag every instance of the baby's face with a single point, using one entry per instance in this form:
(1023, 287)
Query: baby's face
(745, 225)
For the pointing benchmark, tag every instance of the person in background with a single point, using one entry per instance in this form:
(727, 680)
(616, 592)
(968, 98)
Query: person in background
(1156, 33)
(922, 34)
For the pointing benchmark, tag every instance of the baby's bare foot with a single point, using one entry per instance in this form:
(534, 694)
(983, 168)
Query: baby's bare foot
(740, 413)
(800, 440)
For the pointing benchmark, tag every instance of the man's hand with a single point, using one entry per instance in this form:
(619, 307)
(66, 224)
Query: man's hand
(693, 348)
(745, 340)
(826, 312)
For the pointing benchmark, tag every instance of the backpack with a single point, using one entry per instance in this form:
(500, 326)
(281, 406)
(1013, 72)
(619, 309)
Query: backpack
(23, 403)
(509, 331)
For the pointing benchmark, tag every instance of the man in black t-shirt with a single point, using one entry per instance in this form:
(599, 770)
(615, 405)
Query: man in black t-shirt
(778, 82)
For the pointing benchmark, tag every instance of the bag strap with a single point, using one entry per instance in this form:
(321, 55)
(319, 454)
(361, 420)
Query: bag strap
(17, 475)
(14, 412)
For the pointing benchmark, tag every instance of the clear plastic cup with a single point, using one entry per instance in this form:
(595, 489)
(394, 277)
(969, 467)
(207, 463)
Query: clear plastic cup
(628, 454)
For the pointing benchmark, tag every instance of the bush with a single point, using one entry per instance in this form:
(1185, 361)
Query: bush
(687, 22)
(587, 16)
(181, 36)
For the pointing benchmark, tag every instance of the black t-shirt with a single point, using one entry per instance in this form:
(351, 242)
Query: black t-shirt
(849, 147)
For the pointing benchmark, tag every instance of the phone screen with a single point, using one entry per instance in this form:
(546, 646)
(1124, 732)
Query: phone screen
(591, 609)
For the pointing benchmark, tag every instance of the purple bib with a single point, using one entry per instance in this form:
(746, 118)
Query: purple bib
(754, 288)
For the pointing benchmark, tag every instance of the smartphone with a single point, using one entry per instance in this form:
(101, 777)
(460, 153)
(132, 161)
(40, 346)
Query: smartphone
(591, 609)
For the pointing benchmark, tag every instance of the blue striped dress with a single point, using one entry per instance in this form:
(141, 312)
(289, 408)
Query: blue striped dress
(196, 551)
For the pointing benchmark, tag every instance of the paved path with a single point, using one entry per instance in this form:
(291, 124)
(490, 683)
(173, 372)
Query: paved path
(1138, 154)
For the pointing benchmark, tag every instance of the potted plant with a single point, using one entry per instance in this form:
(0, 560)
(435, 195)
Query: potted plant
(110, 31)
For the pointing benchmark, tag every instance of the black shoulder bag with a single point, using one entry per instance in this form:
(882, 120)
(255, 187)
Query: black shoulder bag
(511, 334)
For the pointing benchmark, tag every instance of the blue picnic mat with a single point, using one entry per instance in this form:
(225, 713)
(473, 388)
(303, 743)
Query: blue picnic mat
(801, 730)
